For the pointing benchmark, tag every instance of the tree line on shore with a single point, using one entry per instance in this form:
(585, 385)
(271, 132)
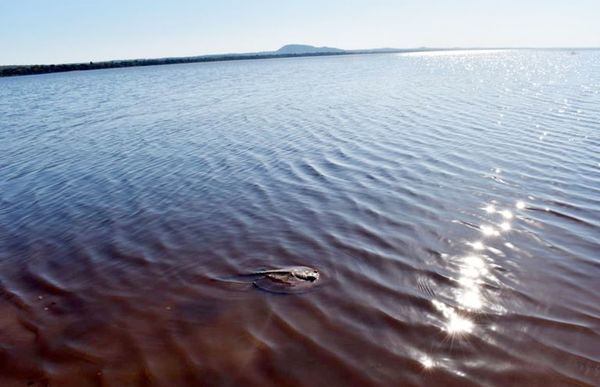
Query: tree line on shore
(6, 71)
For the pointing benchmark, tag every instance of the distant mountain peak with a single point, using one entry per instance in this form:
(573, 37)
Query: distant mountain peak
(305, 49)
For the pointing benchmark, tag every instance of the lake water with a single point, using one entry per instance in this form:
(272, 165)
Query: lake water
(450, 201)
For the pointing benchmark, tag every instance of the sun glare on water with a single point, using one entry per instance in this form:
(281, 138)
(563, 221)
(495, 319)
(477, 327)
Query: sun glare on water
(451, 52)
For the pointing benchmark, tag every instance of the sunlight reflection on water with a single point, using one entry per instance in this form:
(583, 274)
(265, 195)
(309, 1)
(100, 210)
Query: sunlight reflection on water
(451, 52)
(474, 271)
(471, 248)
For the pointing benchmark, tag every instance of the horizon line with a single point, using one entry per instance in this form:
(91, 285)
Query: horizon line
(267, 52)
(37, 69)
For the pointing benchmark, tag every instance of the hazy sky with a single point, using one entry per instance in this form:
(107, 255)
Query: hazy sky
(57, 31)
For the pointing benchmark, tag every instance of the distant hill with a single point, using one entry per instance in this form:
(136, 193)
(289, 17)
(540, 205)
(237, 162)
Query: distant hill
(299, 49)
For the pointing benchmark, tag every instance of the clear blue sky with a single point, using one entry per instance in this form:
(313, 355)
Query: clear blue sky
(57, 31)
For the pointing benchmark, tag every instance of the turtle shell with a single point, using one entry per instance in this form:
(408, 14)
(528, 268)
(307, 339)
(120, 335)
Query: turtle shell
(285, 283)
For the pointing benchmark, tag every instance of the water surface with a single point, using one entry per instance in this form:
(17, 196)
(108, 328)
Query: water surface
(451, 203)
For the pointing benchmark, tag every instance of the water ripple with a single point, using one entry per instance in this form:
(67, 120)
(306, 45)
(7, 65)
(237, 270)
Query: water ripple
(451, 203)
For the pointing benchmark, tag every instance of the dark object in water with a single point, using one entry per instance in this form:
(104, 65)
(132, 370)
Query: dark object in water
(289, 280)
(286, 280)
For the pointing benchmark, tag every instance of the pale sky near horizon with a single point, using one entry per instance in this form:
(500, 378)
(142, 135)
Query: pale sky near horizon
(63, 31)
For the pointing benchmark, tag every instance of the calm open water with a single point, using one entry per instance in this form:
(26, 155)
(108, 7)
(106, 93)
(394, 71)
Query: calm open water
(450, 201)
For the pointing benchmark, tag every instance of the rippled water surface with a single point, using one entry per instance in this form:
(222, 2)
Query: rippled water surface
(450, 202)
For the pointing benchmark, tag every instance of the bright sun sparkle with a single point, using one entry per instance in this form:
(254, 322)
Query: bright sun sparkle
(426, 361)
(451, 53)
(488, 230)
(474, 261)
(478, 245)
(469, 272)
(471, 299)
(490, 209)
(457, 324)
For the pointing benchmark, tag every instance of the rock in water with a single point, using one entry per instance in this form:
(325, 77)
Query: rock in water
(290, 280)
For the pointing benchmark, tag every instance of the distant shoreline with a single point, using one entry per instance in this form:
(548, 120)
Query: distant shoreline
(18, 70)
(8, 71)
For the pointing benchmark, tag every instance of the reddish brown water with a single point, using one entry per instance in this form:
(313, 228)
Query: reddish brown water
(451, 204)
